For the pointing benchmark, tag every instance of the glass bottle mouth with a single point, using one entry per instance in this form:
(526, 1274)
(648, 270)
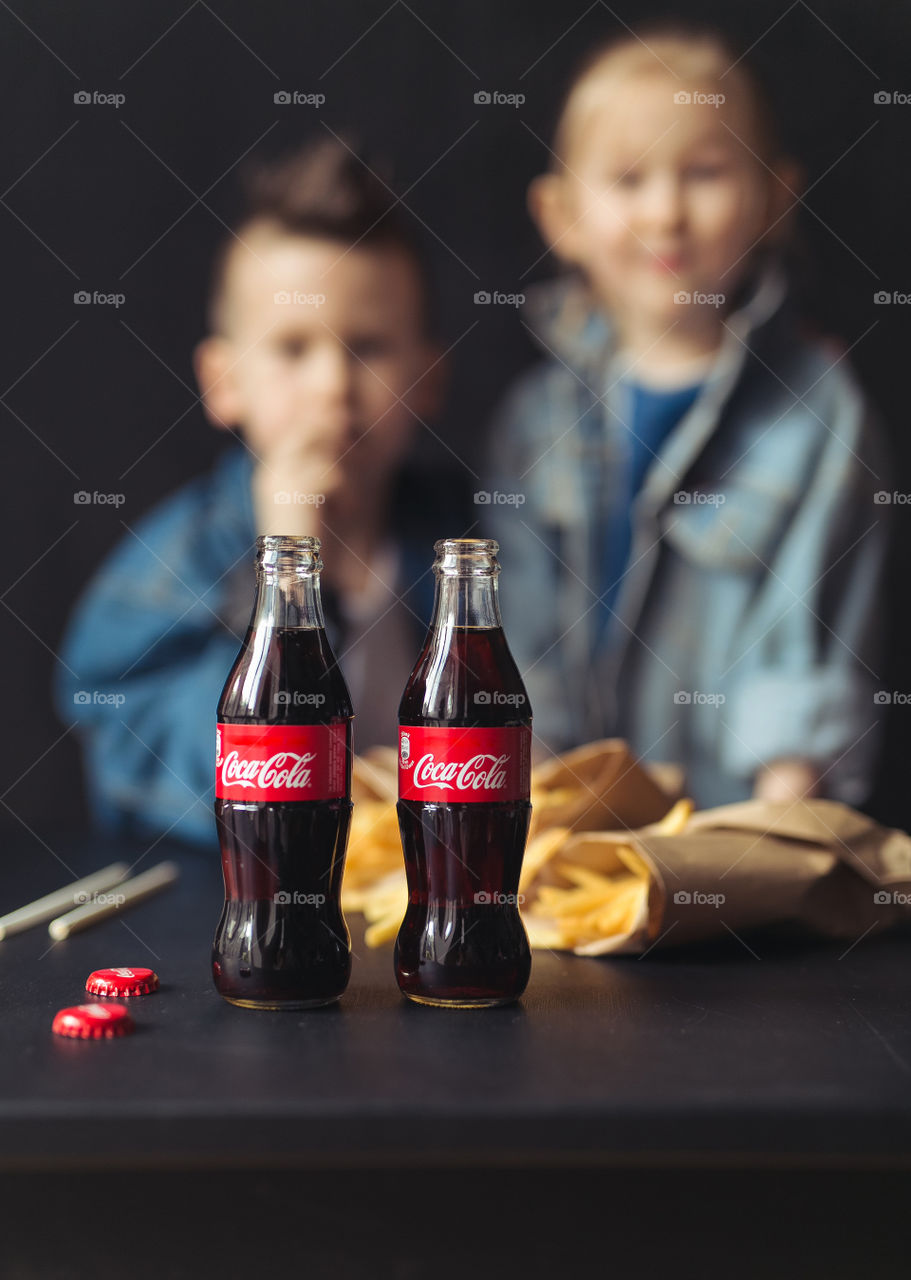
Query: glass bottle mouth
(288, 553)
(466, 557)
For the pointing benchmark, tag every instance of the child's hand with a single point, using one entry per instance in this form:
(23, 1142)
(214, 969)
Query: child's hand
(785, 781)
(292, 485)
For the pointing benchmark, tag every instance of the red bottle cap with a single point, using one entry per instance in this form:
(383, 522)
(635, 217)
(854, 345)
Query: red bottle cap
(94, 1021)
(122, 982)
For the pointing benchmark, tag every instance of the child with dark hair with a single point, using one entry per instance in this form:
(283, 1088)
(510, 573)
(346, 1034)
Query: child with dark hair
(697, 563)
(321, 361)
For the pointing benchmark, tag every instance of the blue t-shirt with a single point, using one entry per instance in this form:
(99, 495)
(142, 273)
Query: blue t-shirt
(652, 416)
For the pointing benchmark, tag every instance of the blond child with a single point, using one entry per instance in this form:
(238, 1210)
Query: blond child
(696, 564)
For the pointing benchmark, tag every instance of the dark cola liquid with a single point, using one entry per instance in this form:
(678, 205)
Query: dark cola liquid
(462, 942)
(282, 941)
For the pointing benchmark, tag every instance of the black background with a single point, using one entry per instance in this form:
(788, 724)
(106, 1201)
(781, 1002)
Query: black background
(130, 200)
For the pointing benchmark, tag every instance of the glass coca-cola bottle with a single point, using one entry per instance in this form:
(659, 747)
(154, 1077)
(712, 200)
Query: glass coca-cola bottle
(464, 808)
(283, 795)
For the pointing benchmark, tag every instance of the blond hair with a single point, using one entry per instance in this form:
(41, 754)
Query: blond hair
(690, 54)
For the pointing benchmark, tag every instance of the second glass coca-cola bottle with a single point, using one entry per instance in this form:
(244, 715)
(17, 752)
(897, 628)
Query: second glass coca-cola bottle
(283, 795)
(464, 785)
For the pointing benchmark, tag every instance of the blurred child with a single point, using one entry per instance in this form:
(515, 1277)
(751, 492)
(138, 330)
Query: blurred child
(697, 560)
(320, 357)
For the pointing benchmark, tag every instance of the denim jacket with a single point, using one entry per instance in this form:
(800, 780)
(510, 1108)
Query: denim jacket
(151, 643)
(746, 627)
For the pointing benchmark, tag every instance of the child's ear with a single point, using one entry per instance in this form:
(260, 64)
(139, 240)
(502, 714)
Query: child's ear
(549, 208)
(213, 359)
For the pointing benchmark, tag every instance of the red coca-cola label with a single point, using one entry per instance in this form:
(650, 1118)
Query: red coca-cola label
(280, 761)
(464, 764)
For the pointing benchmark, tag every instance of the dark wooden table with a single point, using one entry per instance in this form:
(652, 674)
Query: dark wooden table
(622, 1105)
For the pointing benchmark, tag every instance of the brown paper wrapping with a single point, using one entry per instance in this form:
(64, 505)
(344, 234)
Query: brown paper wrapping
(817, 863)
(600, 787)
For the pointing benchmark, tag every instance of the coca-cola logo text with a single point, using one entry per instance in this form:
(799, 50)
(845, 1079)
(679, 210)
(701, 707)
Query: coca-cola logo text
(482, 771)
(281, 762)
(284, 769)
(449, 764)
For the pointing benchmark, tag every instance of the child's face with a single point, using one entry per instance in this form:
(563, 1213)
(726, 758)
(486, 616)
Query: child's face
(660, 197)
(324, 348)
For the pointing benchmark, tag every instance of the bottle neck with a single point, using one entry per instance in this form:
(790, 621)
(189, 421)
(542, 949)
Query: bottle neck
(466, 590)
(466, 603)
(287, 583)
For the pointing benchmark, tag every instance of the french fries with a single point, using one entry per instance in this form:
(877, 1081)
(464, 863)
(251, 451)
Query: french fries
(384, 909)
(597, 906)
(580, 885)
(374, 852)
(674, 822)
(538, 853)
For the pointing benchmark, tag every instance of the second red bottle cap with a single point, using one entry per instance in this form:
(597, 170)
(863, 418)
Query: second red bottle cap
(94, 1021)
